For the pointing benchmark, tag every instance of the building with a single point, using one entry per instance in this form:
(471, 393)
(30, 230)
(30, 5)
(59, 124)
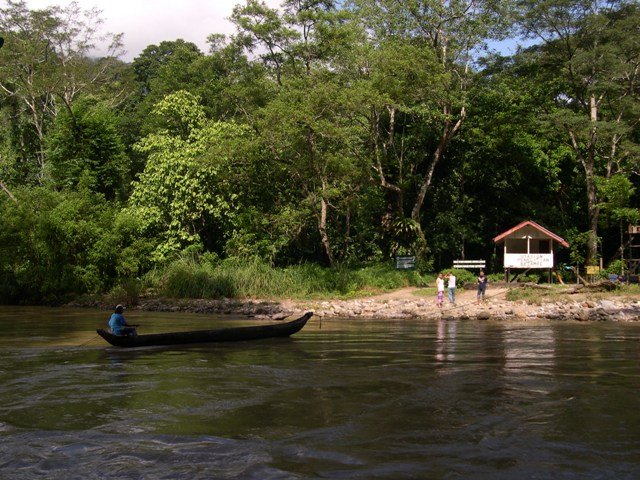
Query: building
(529, 246)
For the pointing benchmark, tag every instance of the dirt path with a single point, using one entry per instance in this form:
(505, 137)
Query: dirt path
(411, 302)
(493, 295)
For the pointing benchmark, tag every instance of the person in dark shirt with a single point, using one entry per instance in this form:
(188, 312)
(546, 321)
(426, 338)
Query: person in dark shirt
(482, 286)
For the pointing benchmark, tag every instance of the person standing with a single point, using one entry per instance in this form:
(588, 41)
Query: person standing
(440, 288)
(119, 325)
(451, 285)
(482, 286)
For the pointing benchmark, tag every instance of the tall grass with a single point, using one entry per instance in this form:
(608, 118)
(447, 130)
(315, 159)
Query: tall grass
(192, 278)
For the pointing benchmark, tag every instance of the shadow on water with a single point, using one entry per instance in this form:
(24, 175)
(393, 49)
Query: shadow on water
(116, 355)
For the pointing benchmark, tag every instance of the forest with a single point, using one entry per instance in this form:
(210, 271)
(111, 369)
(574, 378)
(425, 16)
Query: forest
(322, 138)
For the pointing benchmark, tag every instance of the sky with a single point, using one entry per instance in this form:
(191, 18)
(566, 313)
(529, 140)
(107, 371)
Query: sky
(147, 22)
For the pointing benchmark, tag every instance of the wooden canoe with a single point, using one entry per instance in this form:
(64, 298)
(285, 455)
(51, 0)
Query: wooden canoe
(233, 334)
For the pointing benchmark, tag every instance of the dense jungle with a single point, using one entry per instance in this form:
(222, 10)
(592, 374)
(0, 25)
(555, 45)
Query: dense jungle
(303, 153)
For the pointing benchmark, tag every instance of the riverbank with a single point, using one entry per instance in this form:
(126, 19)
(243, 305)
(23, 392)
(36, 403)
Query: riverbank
(534, 302)
(554, 304)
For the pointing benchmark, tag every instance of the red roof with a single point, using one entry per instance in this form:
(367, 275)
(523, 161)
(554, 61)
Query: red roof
(533, 224)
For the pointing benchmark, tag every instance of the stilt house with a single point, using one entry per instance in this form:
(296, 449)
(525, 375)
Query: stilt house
(529, 246)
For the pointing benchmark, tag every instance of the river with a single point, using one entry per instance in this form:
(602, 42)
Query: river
(342, 399)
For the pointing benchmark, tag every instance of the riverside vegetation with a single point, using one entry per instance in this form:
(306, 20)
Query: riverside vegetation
(257, 290)
(300, 155)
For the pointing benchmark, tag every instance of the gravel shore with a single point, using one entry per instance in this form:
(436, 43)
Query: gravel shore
(410, 303)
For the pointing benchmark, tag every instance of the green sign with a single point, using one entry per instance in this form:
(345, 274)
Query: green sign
(405, 263)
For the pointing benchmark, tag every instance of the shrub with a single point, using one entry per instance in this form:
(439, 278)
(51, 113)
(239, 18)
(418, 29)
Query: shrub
(186, 278)
(617, 267)
(126, 292)
(191, 277)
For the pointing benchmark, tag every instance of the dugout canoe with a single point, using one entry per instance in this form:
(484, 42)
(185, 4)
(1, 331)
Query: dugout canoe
(233, 334)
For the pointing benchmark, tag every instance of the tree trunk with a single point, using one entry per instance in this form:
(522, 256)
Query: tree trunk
(588, 163)
(7, 191)
(322, 228)
(447, 133)
(594, 216)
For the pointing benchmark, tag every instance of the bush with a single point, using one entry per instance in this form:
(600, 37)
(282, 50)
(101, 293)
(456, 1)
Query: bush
(185, 278)
(200, 278)
(53, 247)
(127, 292)
(495, 277)
(616, 267)
(464, 276)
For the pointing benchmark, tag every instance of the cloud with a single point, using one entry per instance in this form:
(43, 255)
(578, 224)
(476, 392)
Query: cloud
(147, 22)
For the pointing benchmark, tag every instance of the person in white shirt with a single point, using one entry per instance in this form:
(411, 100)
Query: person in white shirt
(451, 285)
(440, 288)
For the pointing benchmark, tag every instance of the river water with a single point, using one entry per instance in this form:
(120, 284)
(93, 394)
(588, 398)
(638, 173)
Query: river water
(342, 399)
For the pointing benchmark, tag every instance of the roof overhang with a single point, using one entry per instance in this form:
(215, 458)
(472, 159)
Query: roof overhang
(530, 223)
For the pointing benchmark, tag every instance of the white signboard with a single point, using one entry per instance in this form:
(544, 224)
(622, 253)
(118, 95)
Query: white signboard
(532, 260)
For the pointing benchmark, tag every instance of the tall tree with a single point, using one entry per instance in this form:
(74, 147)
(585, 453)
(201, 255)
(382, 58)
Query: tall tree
(309, 127)
(178, 198)
(422, 67)
(45, 62)
(174, 55)
(590, 61)
(84, 144)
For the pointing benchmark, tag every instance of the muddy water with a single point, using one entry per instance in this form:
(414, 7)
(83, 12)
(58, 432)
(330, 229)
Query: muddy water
(346, 399)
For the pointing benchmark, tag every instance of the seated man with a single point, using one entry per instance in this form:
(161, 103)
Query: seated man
(119, 325)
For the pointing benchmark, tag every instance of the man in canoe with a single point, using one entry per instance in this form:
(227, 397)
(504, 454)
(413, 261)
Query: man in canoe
(119, 325)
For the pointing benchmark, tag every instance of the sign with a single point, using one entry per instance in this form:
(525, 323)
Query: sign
(593, 270)
(634, 229)
(470, 264)
(405, 263)
(528, 260)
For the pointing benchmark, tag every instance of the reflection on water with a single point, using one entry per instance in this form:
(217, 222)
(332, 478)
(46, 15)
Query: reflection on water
(354, 399)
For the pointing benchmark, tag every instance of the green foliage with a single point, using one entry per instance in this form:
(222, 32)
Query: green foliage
(616, 193)
(590, 94)
(495, 277)
(531, 278)
(185, 278)
(406, 235)
(463, 276)
(55, 245)
(179, 197)
(192, 278)
(320, 133)
(45, 64)
(149, 65)
(84, 145)
(127, 292)
(579, 242)
(528, 295)
(51, 245)
(617, 267)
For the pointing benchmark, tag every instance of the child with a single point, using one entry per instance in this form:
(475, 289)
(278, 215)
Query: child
(440, 288)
